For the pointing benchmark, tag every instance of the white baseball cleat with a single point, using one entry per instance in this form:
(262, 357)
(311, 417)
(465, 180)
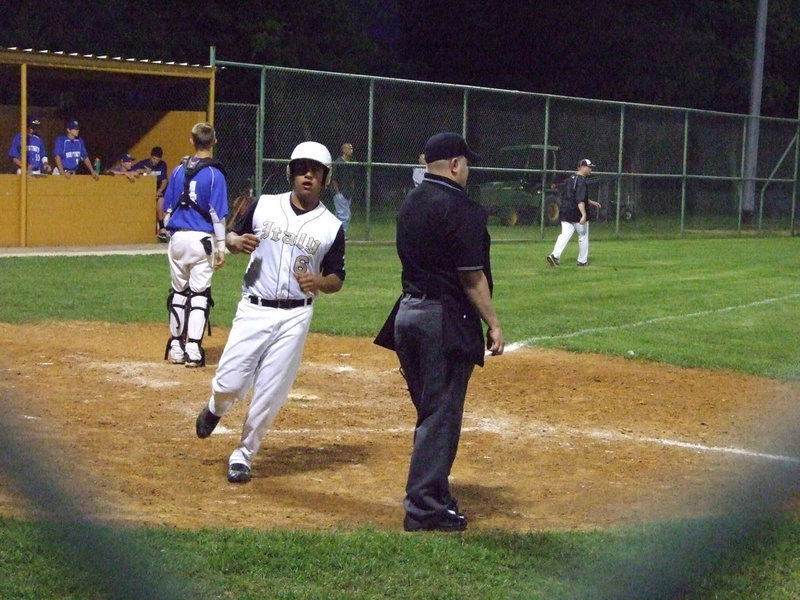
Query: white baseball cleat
(176, 354)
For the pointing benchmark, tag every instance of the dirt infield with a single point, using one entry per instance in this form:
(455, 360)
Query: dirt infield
(551, 440)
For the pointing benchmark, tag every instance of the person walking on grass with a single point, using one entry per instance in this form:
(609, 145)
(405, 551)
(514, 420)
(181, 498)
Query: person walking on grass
(574, 215)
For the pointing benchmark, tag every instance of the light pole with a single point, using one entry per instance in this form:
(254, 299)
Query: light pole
(751, 142)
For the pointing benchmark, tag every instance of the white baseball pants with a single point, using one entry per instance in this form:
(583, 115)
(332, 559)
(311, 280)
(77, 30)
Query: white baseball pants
(189, 265)
(263, 352)
(567, 229)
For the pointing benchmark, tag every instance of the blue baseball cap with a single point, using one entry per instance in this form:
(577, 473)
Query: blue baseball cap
(34, 122)
(126, 158)
(73, 124)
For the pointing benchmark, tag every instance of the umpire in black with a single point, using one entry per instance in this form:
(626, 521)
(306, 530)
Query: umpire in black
(443, 245)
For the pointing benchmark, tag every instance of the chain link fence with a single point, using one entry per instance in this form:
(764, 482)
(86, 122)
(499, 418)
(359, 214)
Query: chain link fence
(661, 169)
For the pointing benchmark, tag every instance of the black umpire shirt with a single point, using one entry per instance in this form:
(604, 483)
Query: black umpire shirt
(440, 232)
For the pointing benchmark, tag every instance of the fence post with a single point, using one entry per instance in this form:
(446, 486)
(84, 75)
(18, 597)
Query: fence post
(464, 111)
(543, 206)
(620, 151)
(741, 173)
(683, 169)
(796, 159)
(368, 185)
(262, 101)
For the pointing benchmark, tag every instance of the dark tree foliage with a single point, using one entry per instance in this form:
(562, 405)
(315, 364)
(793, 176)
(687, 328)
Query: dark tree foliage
(694, 53)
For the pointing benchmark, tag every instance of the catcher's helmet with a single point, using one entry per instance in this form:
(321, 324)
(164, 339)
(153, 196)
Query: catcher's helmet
(311, 151)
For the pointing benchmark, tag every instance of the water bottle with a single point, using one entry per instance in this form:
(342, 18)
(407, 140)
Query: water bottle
(97, 165)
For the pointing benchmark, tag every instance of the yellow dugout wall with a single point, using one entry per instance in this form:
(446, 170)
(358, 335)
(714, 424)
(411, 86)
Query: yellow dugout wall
(80, 211)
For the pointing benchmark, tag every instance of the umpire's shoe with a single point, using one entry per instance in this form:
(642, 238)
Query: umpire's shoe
(450, 521)
(238, 473)
(206, 422)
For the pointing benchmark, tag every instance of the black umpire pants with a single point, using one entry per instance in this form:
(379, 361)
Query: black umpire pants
(438, 386)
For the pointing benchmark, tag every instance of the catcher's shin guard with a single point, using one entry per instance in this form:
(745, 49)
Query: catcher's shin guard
(177, 307)
(200, 304)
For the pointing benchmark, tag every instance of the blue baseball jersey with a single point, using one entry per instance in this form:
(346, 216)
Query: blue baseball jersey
(72, 152)
(160, 170)
(35, 149)
(208, 189)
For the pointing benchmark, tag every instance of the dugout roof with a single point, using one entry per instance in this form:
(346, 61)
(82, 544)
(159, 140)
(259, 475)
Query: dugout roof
(90, 62)
(67, 80)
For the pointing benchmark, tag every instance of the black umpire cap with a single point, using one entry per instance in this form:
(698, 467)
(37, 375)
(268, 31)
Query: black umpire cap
(447, 145)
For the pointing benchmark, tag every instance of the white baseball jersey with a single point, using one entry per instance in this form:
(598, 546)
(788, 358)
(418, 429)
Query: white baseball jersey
(265, 344)
(289, 243)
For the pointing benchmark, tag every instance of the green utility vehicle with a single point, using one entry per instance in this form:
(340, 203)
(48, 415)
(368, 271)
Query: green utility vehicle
(519, 198)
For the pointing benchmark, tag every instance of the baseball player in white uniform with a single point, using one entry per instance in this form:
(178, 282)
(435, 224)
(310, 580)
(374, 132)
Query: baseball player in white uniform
(296, 248)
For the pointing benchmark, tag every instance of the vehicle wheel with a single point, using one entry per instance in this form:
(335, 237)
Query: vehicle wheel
(527, 215)
(627, 214)
(552, 211)
(509, 217)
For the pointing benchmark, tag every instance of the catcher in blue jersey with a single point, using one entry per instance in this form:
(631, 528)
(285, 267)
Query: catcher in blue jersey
(195, 207)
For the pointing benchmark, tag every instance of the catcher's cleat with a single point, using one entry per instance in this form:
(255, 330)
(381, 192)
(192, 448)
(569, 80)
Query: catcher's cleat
(176, 355)
(206, 422)
(195, 355)
(238, 473)
(174, 352)
(552, 260)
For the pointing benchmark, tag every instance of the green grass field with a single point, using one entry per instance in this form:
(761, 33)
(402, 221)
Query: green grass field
(722, 303)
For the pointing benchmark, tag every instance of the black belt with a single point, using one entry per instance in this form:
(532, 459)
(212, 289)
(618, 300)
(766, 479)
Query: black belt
(420, 296)
(290, 303)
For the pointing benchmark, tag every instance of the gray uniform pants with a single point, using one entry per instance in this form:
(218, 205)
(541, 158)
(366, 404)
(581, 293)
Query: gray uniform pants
(438, 386)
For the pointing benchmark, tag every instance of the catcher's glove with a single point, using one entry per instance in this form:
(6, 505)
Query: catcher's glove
(240, 206)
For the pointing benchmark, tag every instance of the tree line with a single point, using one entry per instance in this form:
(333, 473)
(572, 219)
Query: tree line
(694, 53)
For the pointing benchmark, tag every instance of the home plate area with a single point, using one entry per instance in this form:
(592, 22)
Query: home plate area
(550, 440)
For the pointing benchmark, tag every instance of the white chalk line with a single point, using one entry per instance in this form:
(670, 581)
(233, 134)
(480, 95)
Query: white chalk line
(535, 431)
(532, 341)
(612, 436)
